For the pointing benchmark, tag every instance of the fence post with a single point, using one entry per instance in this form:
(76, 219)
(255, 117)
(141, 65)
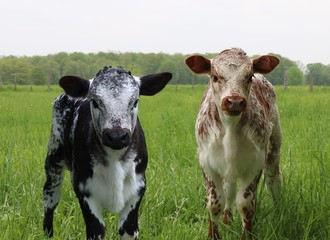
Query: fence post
(285, 81)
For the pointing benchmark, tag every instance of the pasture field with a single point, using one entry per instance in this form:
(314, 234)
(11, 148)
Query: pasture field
(173, 207)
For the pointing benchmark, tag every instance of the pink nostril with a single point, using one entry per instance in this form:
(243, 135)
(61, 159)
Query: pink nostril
(236, 102)
(233, 104)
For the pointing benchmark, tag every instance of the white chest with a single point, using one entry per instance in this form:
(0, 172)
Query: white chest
(113, 185)
(232, 156)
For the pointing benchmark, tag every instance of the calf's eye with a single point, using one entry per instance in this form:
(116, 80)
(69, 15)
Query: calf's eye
(218, 78)
(250, 78)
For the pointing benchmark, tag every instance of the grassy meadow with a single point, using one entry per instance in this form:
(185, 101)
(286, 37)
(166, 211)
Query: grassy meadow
(173, 207)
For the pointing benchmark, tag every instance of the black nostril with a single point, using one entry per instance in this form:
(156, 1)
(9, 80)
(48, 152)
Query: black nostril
(125, 138)
(116, 138)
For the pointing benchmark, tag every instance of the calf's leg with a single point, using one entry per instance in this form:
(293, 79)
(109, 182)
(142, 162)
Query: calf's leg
(54, 168)
(128, 218)
(95, 228)
(230, 192)
(272, 172)
(246, 203)
(273, 179)
(215, 205)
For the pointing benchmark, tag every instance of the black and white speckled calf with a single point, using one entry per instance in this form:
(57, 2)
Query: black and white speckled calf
(96, 134)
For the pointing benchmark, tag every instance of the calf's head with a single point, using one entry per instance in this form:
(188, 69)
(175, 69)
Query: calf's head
(231, 74)
(114, 96)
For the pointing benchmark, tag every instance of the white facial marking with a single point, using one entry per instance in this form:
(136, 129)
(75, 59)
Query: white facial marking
(113, 99)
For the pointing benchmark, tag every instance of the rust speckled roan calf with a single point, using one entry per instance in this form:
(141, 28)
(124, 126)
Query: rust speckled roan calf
(238, 134)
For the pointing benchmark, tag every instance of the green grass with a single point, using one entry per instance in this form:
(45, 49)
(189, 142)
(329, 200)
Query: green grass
(173, 207)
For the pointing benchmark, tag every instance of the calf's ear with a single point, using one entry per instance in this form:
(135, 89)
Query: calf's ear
(265, 64)
(154, 83)
(199, 64)
(74, 86)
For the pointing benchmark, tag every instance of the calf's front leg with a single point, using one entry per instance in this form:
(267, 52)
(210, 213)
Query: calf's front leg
(246, 204)
(230, 191)
(128, 218)
(215, 205)
(95, 228)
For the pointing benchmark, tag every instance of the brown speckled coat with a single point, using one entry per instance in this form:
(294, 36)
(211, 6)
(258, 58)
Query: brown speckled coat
(238, 134)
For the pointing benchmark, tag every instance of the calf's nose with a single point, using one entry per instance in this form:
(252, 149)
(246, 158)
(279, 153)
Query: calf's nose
(233, 105)
(116, 138)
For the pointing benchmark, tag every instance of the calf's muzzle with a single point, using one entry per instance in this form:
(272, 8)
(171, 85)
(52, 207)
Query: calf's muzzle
(116, 138)
(233, 105)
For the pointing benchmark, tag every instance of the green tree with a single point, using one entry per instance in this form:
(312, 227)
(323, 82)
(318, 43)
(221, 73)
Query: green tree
(77, 68)
(316, 74)
(41, 69)
(326, 73)
(61, 59)
(295, 76)
(14, 70)
(52, 70)
(150, 62)
(38, 76)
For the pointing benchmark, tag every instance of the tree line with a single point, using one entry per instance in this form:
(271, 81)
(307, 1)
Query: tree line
(42, 70)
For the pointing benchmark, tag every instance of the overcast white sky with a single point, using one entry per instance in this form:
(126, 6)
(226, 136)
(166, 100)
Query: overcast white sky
(296, 29)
